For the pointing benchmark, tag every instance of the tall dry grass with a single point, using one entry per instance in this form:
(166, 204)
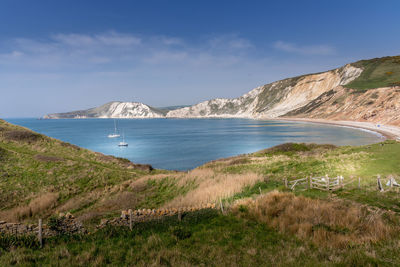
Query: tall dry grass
(334, 224)
(211, 186)
(36, 206)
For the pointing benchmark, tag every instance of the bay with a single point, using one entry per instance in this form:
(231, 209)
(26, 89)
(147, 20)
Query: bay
(183, 144)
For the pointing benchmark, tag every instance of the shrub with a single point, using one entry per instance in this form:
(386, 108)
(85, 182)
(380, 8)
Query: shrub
(181, 233)
(21, 135)
(397, 83)
(55, 223)
(3, 153)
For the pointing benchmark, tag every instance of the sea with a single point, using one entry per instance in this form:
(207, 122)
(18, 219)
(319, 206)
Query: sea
(184, 144)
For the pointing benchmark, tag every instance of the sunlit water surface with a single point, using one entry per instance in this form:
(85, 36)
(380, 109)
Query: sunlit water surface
(182, 144)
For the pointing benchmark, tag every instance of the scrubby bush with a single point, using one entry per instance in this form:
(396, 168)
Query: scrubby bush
(181, 233)
(22, 135)
(55, 223)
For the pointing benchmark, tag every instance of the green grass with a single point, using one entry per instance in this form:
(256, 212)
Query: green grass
(163, 190)
(298, 161)
(201, 238)
(377, 72)
(33, 165)
(249, 191)
(8, 242)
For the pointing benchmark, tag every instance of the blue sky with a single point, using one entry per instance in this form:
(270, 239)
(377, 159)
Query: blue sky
(60, 56)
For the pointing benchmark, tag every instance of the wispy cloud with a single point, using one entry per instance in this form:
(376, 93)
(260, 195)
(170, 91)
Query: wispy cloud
(108, 39)
(304, 50)
(229, 41)
(170, 40)
(113, 49)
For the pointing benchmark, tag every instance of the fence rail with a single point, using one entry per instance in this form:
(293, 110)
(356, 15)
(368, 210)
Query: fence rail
(324, 183)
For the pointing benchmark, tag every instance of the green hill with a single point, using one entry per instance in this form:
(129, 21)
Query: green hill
(41, 175)
(377, 72)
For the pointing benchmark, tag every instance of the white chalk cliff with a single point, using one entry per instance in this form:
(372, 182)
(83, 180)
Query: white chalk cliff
(112, 110)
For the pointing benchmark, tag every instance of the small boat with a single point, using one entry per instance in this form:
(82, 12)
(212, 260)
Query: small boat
(123, 143)
(115, 134)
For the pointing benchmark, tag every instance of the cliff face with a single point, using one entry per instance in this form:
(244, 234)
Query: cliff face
(381, 105)
(112, 110)
(272, 100)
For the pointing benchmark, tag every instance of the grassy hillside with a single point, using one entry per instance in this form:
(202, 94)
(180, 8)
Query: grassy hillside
(352, 226)
(378, 72)
(41, 175)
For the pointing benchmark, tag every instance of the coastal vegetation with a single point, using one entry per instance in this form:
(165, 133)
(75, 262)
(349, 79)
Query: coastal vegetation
(377, 72)
(262, 222)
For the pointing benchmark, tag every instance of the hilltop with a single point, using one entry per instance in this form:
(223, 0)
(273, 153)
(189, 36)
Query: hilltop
(366, 91)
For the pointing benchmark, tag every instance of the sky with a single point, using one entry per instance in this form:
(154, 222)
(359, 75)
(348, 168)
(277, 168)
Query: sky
(58, 56)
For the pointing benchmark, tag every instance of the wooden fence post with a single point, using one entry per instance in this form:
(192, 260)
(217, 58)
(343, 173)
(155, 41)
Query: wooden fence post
(259, 189)
(222, 207)
(40, 237)
(286, 183)
(359, 182)
(327, 181)
(179, 216)
(380, 187)
(130, 219)
(310, 182)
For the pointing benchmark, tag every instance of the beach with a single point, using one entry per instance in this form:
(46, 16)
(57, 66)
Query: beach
(388, 131)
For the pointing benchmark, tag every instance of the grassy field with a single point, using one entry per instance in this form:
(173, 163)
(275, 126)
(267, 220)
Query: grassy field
(378, 72)
(264, 223)
(202, 238)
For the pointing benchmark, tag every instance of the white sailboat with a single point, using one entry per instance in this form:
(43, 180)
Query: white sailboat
(115, 134)
(123, 143)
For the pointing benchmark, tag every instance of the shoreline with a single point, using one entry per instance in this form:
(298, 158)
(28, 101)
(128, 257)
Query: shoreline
(388, 131)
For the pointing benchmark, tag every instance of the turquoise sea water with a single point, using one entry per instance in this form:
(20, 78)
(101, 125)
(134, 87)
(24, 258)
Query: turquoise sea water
(182, 144)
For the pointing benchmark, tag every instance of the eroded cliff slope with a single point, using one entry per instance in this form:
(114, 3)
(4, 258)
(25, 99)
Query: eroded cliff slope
(381, 105)
(274, 99)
